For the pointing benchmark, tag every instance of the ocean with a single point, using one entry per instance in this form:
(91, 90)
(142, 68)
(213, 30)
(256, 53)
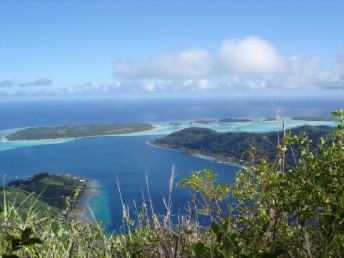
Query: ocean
(129, 158)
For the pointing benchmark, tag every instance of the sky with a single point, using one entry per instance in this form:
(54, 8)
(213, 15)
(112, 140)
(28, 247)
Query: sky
(100, 48)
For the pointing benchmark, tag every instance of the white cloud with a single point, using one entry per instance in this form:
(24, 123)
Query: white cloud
(310, 73)
(148, 85)
(250, 55)
(194, 85)
(192, 63)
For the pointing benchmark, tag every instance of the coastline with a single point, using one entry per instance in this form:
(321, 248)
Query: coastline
(164, 128)
(74, 132)
(85, 201)
(66, 139)
(199, 155)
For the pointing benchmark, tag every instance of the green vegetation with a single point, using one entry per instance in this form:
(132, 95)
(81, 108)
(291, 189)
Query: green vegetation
(234, 120)
(53, 189)
(64, 132)
(230, 147)
(23, 200)
(35, 207)
(271, 210)
(278, 212)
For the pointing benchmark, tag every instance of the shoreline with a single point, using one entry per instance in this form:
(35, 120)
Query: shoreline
(153, 131)
(85, 201)
(199, 155)
(61, 140)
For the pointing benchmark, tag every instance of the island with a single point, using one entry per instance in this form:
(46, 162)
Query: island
(204, 121)
(270, 119)
(313, 119)
(76, 131)
(231, 147)
(175, 123)
(234, 120)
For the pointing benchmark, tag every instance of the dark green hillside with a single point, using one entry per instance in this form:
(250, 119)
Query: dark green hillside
(185, 137)
(51, 189)
(229, 147)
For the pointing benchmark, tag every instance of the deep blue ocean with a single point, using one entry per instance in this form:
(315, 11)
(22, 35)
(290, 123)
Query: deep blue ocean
(62, 112)
(130, 158)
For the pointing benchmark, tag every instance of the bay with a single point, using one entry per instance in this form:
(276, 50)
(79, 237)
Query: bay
(128, 158)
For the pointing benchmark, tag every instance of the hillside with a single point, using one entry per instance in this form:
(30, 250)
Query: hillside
(51, 190)
(229, 147)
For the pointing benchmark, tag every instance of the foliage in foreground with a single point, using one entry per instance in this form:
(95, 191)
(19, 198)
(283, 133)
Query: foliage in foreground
(294, 212)
(269, 211)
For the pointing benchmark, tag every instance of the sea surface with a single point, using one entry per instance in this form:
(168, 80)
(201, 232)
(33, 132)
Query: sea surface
(129, 158)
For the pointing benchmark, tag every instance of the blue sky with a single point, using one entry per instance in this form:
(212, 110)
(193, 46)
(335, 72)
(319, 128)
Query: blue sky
(170, 48)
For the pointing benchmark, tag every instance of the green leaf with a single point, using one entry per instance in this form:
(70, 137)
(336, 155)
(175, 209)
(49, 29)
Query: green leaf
(215, 227)
(32, 241)
(200, 249)
(10, 256)
(16, 243)
(26, 234)
(275, 254)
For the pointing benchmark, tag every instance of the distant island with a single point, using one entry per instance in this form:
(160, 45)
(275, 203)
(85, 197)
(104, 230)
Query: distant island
(204, 121)
(304, 118)
(315, 119)
(230, 147)
(175, 123)
(65, 132)
(270, 119)
(235, 120)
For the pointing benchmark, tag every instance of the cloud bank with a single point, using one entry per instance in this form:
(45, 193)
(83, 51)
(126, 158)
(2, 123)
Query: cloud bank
(250, 55)
(250, 63)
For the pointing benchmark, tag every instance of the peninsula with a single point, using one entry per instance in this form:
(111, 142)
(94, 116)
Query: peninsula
(229, 147)
(46, 190)
(76, 131)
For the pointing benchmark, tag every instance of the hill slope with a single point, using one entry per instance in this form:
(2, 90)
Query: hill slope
(229, 147)
(51, 190)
